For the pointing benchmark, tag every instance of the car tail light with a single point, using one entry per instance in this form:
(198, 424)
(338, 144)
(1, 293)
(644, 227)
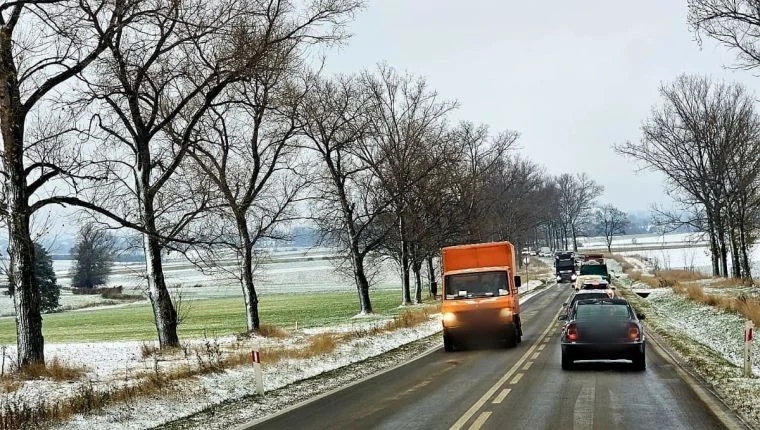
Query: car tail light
(572, 333)
(634, 333)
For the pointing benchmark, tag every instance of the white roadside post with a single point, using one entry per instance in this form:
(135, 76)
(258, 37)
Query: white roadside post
(257, 375)
(526, 261)
(748, 328)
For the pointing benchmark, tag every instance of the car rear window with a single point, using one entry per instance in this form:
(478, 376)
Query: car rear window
(584, 296)
(594, 311)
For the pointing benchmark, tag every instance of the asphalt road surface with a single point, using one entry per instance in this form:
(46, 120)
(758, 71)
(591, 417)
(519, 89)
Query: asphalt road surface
(520, 388)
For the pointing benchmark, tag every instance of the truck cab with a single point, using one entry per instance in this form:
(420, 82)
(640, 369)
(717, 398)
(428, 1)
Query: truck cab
(480, 294)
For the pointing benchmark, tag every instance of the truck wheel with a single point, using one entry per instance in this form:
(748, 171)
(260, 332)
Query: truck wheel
(448, 345)
(512, 336)
(519, 329)
(567, 361)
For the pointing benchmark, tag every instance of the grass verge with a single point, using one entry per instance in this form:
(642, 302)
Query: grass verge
(14, 413)
(208, 317)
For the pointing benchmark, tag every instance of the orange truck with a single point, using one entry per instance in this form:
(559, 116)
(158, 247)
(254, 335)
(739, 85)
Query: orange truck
(480, 297)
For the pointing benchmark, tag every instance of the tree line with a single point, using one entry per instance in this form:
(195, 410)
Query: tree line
(704, 136)
(203, 127)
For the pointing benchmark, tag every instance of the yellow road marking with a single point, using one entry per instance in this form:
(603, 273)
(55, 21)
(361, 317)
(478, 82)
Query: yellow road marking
(500, 398)
(480, 421)
(541, 348)
(516, 379)
(535, 356)
(491, 391)
(527, 366)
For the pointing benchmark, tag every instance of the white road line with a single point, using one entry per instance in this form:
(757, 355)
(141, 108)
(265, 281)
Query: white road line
(527, 366)
(535, 356)
(480, 421)
(541, 348)
(491, 391)
(516, 379)
(583, 413)
(500, 398)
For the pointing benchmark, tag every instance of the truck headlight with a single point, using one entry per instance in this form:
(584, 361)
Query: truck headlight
(505, 313)
(449, 317)
(559, 278)
(573, 277)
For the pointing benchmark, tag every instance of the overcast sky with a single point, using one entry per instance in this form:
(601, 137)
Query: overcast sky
(573, 77)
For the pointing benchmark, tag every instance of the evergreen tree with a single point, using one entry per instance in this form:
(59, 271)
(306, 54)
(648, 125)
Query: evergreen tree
(50, 291)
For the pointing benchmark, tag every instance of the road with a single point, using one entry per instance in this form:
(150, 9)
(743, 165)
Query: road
(521, 388)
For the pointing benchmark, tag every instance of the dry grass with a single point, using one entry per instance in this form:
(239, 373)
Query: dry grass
(209, 356)
(54, 369)
(680, 275)
(269, 330)
(749, 307)
(9, 384)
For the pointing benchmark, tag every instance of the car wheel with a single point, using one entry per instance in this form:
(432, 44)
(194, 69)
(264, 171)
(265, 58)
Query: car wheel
(448, 344)
(639, 362)
(567, 361)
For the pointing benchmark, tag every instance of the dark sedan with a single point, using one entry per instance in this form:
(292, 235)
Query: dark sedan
(603, 329)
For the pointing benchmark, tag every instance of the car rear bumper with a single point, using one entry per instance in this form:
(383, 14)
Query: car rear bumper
(613, 351)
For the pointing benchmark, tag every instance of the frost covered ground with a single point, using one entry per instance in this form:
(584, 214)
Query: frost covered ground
(111, 365)
(709, 340)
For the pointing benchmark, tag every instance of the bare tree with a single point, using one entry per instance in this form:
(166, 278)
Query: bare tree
(348, 201)
(577, 194)
(43, 45)
(611, 221)
(407, 121)
(161, 76)
(704, 138)
(247, 150)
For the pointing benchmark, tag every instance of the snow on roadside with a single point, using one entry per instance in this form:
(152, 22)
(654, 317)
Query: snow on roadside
(721, 331)
(196, 394)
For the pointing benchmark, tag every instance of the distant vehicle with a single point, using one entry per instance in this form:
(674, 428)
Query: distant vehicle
(595, 268)
(564, 266)
(544, 251)
(591, 282)
(602, 329)
(585, 295)
(480, 294)
(599, 258)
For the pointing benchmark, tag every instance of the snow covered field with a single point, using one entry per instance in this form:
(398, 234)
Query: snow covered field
(314, 271)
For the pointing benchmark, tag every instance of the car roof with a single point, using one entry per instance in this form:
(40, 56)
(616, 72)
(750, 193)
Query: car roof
(602, 301)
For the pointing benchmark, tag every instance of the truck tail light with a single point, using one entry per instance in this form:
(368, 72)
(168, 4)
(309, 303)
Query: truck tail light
(572, 333)
(634, 334)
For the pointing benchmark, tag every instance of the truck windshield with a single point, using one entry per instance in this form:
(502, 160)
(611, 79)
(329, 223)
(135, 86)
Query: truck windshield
(565, 264)
(482, 284)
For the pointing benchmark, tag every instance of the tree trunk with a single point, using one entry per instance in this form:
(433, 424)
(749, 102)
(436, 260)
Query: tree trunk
(362, 284)
(250, 298)
(713, 245)
(163, 309)
(735, 253)
(406, 297)
(575, 238)
(417, 269)
(431, 277)
(26, 297)
(723, 253)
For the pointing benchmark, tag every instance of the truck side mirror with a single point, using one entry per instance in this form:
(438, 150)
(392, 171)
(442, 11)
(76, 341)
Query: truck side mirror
(517, 281)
